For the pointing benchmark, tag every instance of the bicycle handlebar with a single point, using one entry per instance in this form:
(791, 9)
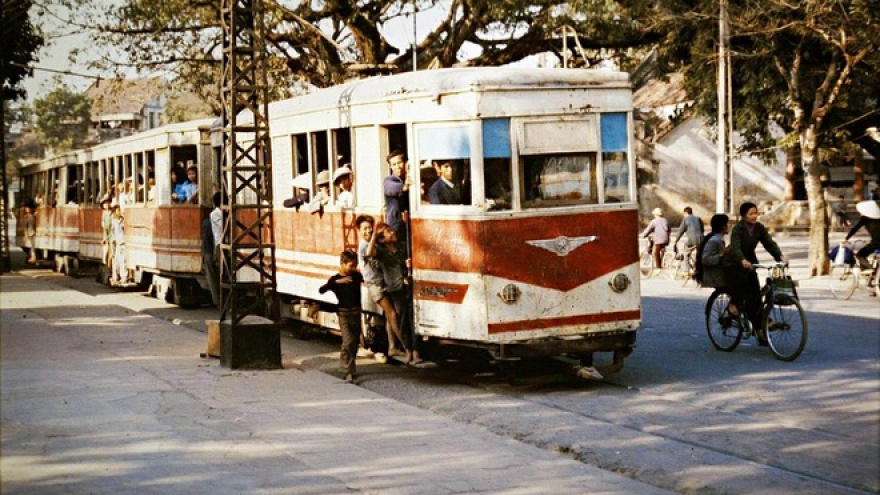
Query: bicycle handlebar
(771, 266)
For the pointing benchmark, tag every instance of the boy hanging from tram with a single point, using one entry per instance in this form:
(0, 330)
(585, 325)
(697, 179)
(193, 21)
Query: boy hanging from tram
(373, 261)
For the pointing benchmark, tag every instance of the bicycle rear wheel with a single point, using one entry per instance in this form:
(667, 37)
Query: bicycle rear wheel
(842, 281)
(724, 332)
(786, 328)
(683, 269)
(646, 264)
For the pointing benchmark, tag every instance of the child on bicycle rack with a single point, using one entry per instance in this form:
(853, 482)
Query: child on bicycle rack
(712, 252)
(741, 277)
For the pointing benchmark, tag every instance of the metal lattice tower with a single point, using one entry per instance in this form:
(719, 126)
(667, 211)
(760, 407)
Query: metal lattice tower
(247, 253)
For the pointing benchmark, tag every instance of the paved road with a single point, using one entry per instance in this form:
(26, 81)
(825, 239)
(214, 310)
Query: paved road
(679, 417)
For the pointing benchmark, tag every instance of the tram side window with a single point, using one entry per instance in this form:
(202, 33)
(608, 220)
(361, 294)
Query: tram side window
(615, 162)
(559, 179)
(496, 163)
(446, 149)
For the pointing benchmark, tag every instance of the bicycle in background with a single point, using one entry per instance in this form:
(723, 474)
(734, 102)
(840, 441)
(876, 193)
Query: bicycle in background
(646, 261)
(846, 274)
(685, 264)
(783, 320)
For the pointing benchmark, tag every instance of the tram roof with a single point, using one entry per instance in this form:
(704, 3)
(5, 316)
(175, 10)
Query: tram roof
(446, 81)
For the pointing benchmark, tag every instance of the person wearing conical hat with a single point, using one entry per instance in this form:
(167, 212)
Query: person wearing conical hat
(343, 179)
(870, 220)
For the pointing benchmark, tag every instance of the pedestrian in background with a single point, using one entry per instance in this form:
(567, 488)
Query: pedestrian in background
(658, 229)
(691, 225)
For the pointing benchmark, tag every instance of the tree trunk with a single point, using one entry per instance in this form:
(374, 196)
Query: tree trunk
(818, 249)
(790, 164)
(859, 176)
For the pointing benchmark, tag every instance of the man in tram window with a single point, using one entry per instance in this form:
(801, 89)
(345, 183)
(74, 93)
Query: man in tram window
(396, 187)
(344, 180)
(446, 191)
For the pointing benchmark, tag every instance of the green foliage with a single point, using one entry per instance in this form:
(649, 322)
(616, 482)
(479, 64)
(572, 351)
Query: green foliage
(810, 64)
(19, 47)
(62, 117)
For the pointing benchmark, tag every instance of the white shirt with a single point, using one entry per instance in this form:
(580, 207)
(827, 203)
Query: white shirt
(217, 225)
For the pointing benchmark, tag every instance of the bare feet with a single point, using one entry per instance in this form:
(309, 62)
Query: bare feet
(395, 352)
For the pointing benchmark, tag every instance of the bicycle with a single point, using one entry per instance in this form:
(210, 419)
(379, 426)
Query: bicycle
(685, 264)
(783, 321)
(646, 260)
(846, 274)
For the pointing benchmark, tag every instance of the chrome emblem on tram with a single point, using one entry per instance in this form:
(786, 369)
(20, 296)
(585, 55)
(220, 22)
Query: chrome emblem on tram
(562, 245)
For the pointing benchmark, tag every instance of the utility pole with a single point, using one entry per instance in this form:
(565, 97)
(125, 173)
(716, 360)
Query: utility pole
(723, 172)
(249, 337)
(5, 255)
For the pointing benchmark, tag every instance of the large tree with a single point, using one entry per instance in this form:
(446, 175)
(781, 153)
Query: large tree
(19, 47)
(62, 118)
(809, 66)
(316, 43)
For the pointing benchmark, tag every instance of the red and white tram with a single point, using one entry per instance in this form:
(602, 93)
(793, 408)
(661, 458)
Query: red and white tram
(537, 260)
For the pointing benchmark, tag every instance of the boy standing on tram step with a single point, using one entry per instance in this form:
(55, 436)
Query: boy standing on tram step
(211, 235)
(395, 265)
(371, 267)
(347, 286)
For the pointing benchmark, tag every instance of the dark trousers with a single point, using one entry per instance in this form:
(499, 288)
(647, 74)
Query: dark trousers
(210, 265)
(350, 326)
(401, 300)
(745, 289)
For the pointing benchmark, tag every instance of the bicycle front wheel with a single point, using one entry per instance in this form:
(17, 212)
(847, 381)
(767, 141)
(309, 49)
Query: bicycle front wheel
(786, 327)
(842, 281)
(723, 329)
(646, 264)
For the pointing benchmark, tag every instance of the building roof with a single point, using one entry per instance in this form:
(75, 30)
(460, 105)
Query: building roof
(122, 96)
(658, 92)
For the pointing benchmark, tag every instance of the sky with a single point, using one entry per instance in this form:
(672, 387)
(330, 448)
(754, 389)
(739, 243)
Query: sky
(53, 58)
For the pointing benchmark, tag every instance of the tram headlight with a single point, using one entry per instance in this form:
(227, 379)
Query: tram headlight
(619, 282)
(510, 294)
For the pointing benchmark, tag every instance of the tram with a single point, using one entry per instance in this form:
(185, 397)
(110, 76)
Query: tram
(162, 238)
(535, 258)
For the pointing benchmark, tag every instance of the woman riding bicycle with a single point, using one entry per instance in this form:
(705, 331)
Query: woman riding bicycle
(741, 277)
(659, 229)
(870, 220)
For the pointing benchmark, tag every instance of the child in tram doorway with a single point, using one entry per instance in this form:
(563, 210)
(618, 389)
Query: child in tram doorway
(395, 266)
(347, 286)
(120, 272)
(30, 234)
(107, 231)
(374, 278)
